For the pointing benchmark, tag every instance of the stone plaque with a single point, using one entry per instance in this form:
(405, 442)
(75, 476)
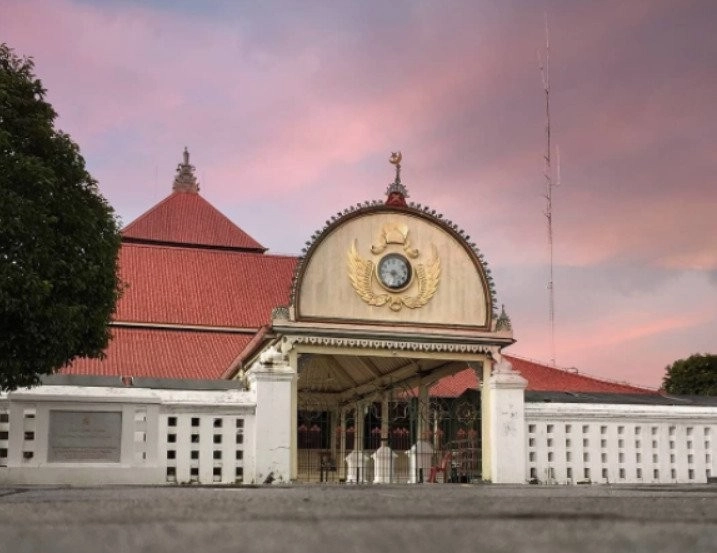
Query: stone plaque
(85, 437)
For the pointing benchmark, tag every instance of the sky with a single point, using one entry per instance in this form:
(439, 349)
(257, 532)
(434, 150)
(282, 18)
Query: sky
(290, 111)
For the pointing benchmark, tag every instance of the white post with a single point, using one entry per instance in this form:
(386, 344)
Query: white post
(272, 380)
(506, 425)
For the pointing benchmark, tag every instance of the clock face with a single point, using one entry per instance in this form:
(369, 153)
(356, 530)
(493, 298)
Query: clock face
(394, 271)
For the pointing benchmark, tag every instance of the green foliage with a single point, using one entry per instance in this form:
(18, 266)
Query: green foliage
(696, 375)
(59, 239)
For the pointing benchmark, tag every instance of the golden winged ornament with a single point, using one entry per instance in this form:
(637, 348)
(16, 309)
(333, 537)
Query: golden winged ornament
(362, 274)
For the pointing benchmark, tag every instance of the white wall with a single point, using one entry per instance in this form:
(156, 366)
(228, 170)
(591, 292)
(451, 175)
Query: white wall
(166, 435)
(569, 443)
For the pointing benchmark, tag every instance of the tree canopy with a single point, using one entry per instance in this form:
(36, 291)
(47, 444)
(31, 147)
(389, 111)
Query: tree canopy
(696, 375)
(59, 238)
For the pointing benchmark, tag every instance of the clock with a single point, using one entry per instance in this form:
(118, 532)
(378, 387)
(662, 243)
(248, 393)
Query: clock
(394, 271)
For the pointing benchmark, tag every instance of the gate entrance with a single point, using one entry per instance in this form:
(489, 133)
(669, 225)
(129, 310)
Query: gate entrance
(410, 432)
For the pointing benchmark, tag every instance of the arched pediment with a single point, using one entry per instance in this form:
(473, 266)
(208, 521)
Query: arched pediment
(393, 266)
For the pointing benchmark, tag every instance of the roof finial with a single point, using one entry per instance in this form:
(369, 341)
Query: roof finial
(185, 180)
(396, 192)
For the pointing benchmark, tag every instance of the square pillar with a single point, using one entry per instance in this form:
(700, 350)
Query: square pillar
(273, 380)
(504, 444)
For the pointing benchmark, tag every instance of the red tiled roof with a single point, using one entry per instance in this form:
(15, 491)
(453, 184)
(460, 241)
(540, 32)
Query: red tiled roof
(541, 378)
(192, 286)
(154, 353)
(186, 218)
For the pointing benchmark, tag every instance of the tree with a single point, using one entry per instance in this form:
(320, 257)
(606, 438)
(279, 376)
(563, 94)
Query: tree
(59, 238)
(696, 375)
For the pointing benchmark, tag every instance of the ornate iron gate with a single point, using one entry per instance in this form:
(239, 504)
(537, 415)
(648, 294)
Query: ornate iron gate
(438, 442)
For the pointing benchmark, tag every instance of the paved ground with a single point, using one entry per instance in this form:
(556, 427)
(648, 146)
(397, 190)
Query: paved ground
(430, 518)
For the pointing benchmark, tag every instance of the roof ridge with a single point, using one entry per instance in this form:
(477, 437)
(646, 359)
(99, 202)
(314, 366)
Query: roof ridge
(196, 247)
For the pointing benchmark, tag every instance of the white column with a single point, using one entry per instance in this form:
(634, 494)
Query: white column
(485, 397)
(273, 381)
(506, 389)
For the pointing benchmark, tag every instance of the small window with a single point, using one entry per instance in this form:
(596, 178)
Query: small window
(195, 438)
(586, 442)
(568, 456)
(689, 444)
(691, 474)
(217, 472)
(531, 428)
(195, 421)
(550, 429)
(171, 472)
(621, 457)
(656, 474)
(621, 443)
(240, 423)
(217, 438)
(568, 443)
(171, 438)
(3, 452)
(586, 474)
(172, 421)
(603, 457)
(3, 435)
(533, 473)
(672, 457)
(240, 438)
(239, 455)
(689, 431)
(217, 455)
(638, 444)
(194, 454)
(569, 473)
(638, 430)
(654, 457)
(239, 472)
(654, 444)
(531, 456)
(654, 431)
(217, 423)
(620, 429)
(29, 436)
(604, 473)
(550, 456)
(531, 442)
(27, 455)
(690, 459)
(194, 472)
(673, 474)
(672, 444)
(638, 457)
(568, 428)
(707, 431)
(622, 474)
(550, 442)
(603, 430)
(586, 428)
(638, 473)
(4, 417)
(672, 430)
(603, 443)
(586, 457)
(171, 454)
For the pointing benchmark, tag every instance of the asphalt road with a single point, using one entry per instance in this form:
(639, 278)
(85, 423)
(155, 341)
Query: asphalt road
(432, 518)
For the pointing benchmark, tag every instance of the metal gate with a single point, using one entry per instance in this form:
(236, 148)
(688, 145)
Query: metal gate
(436, 442)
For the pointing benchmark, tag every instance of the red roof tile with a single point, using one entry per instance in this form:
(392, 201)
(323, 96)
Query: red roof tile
(541, 378)
(193, 286)
(153, 353)
(186, 218)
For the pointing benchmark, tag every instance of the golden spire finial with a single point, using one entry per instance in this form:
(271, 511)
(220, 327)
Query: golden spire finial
(396, 191)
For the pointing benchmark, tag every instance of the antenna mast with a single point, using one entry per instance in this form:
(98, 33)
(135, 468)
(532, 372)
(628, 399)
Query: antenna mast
(544, 68)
